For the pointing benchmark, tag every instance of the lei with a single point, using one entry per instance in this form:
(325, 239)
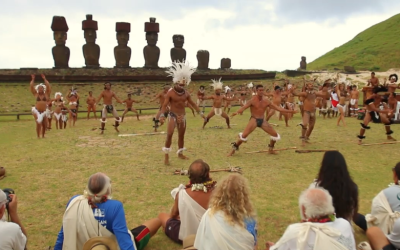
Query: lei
(324, 219)
(209, 185)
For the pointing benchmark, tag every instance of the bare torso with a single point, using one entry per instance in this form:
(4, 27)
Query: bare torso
(91, 101)
(129, 103)
(107, 97)
(177, 102)
(259, 106)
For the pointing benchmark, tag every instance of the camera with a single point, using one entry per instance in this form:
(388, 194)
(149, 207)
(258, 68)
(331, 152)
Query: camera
(8, 191)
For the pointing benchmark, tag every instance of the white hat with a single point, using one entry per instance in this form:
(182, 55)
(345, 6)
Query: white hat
(250, 85)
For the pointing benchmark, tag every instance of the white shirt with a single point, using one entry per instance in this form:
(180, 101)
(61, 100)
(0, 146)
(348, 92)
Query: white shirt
(11, 236)
(394, 236)
(346, 238)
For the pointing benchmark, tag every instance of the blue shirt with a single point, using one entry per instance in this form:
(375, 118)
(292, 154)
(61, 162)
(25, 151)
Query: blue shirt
(111, 215)
(251, 226)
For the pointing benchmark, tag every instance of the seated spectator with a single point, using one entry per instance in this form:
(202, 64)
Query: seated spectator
(95, 214)
(12, 234)
(381, 241)
(319, 229)
(191, 202)
(334, 177)
(229, 223)
(385, 207)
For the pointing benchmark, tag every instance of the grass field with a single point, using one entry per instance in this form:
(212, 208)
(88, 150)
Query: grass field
(46, 173)
(375, 49)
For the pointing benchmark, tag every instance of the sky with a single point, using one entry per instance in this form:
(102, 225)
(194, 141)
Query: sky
(269, 35)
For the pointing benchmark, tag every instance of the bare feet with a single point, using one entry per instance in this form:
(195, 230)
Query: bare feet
(229, 127)
(181, 156)
(272, 152)
(390, 138)
(116, 128)
(359, 142)
(166, 160)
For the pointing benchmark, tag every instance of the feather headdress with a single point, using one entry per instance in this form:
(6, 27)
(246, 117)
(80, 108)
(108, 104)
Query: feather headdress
(40, 85)
(393, 77)
(250, 85)
(180, 71)
(58, 93)
(217, 84)
(227, 89)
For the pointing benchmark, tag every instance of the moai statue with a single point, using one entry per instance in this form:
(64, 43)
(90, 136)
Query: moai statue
(303, 63)
(203, 57)
(178, 53)
(225, 63)
(91, 51)
(151, 52)
(122, 52)
(60, 51)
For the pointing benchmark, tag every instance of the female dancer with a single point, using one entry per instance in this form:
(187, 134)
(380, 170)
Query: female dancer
(73, 99)
(60, 111)
(42, 94)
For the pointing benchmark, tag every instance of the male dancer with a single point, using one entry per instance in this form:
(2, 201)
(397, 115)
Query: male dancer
(392, 85)
(217, 104)
(374, 114)
(257, 106)
(161, 97)
(354, 95)
(108, 107)
(277, 100)
(374, 81)
(309, 118)
(200, 95)
(176, 99)
(129, 102)
(91, 105)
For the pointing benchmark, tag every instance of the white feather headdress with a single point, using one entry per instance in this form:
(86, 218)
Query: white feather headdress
(58, 93)
(227, 89)
(40, 85)
(180, 71)
(217, 84)
(250, 85)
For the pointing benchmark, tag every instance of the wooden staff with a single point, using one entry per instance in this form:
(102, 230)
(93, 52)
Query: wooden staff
(231, 169)
(380, 143)
(262, 151)
(156, 133)
(314, 150)
(273, 124)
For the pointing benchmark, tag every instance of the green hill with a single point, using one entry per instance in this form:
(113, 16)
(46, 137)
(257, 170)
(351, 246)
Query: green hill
(376, 49)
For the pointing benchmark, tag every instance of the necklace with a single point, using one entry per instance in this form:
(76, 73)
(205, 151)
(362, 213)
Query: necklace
(209, 185)
(324, 219)
(179, 93)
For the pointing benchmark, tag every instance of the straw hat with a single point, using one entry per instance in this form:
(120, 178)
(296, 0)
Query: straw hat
(100, 243)
(188, 242)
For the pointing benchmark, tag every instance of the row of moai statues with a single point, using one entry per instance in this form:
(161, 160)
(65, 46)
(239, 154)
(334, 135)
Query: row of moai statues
(122, 53)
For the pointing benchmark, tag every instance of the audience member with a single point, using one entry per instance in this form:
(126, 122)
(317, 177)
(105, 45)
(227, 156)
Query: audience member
(385, 207)
(12, 234)
(191, 202)
(334, 177)
(381, 241)
(319, 229)
(230, 222)
(95, 214)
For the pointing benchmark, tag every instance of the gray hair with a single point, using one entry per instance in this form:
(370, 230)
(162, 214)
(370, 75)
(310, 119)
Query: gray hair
(317, 202)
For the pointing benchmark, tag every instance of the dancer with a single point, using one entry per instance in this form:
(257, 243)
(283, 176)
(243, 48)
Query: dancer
(217, 103)
(42, 94)
(373, 114)
(91, 102)
(341, 106)
(392, 85)
(73, 99)
(373, 82)
(257, 106)
(60, 111)
(49, 114)
(108, 107)
(290, 102)
(129, 102)
(200, 94)
(176, 99)
(228, 95)
(354, 95)
(309, 118)
(161, 97)
(277, 100)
